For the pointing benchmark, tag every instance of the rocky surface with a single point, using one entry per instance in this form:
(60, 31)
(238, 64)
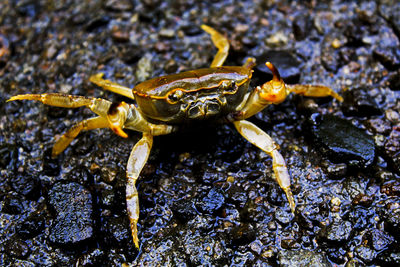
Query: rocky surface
(207, 196)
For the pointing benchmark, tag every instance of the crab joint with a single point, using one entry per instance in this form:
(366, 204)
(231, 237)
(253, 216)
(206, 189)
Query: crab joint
(116, 116)
(273, 91)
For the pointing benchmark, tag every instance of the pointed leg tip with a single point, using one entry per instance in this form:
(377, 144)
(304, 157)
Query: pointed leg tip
(290, 198)
(18, 97)
(96, 77)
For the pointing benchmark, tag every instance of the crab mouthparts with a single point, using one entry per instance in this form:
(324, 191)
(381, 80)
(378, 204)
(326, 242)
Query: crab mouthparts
(203, 109)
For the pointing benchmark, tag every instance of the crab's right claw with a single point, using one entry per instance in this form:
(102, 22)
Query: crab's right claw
(116, 116)
(273, 91)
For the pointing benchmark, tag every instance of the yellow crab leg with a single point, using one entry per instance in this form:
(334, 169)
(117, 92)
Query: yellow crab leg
(97, 105)
(111, 86)
(220, 42)
(262, 140)
(85, 125)
(313, 90)
(137, 159)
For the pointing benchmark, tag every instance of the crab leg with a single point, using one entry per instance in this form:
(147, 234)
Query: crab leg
(68, 136)
(137, 159)
(97, 105)
(313, 90)
(111, 86)
(263, 141)
(221, 43)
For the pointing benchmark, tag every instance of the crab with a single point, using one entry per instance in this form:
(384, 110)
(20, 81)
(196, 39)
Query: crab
(218, 94)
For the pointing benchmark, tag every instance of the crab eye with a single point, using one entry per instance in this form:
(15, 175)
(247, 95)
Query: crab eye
(174, 96)
(228, 86)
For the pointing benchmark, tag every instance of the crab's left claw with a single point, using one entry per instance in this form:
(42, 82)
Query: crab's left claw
(117, 116)
(273, 91)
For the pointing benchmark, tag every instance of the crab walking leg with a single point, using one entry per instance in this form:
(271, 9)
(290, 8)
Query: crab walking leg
(68, 136)
(137, 159)
(221, 43)
(97, 105)
(313, 90)
(263, 141)
(111, 86)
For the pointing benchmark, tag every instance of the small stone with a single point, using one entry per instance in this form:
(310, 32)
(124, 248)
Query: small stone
(358, 102)
(212, 202)
(338, 231)
(392, 148)
(379, 126)
(379, 239)
(73, 205)
(365, 253)
(302, 257)
(363, 200)
(287, 64)
(342, 141)
(391, 189)
(17, 248)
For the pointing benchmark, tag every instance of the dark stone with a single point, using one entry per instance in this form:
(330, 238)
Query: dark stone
(32, 226)
(212, 202)
(388, 57)
(394, 81)
(358, 102)
(365, 253)
(337, 231)
(378, 239)
(391, 189)
(13, 205)
(379, 125)
(341, 141)
(17, 248)
(27, 186)
(184, 209)
(392, 148)
(73, 206)
(363, 200)
(286, 63)
(302, 257)
(302, 26)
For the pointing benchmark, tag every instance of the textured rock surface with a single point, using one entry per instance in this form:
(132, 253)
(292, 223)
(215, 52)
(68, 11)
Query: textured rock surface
(207, 196)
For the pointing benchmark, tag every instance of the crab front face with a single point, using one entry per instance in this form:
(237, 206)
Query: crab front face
(194, 95)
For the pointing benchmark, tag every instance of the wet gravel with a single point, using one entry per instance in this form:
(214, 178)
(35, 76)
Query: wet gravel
(207, 196)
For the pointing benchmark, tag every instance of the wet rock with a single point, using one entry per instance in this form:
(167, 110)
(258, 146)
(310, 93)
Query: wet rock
(379, 125)
(32, 226)
(358, 102)
(27, 186)
(302, 26)
(212, 202)
(338, 231)
(365, 253)
(341, 141)
(391, 189)
(117, 231)
(286, 63)
(388, 57)
(284, 217)
(392, 148)
(13, 205)
(302, 258)
(363, 200)
(17, 248)
(334, 170)
(378, 239)
(184, 209)
(73, 207)
(243, 234)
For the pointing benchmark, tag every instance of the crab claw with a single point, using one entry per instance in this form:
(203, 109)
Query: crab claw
(117, 116)
(273, 91)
